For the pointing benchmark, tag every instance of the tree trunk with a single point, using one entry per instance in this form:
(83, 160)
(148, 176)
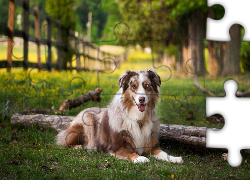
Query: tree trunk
(196, 33)
(222, 52)
(179, 59)
(231, 58)
(159, 57)
(191, 135)
(186, 52)
(213, 58)
(164, 58)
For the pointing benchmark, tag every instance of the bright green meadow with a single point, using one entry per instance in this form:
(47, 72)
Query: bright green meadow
(28, 151)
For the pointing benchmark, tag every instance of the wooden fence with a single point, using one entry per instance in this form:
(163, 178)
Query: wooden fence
(87, 57)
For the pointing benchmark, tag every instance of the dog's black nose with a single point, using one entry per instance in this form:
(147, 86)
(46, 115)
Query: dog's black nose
(141, 99)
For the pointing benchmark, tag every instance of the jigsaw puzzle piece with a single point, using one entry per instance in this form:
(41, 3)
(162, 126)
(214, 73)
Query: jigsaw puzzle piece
(218, 30)
(235, 112)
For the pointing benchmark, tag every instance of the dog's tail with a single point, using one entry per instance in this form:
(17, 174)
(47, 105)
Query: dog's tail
(74, 135)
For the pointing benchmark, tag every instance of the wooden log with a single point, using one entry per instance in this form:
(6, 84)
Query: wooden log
(190, 135)
(55, 121)
(90, 95)
(194, 136)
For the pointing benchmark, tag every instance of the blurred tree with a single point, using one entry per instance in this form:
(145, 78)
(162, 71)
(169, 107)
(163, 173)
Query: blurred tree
(99, 17)
(213, 56)
(174, 18)
(4, 13)
(113, 18)
(245, 56)
(194, 14)
(64, 11)
(166, 21)
(231, 59)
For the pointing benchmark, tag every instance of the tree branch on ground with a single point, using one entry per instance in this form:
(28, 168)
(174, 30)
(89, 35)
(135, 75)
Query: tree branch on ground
(72, 103)
(205, 91)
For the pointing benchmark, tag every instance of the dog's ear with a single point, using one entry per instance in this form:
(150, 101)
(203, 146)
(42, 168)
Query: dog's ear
(154, 77)
(124, 79)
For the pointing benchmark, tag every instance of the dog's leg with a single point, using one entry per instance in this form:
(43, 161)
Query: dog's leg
(159, 154)
(72, 136)
(124, 153)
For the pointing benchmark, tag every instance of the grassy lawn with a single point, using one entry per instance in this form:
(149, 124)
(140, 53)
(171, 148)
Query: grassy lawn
(29, 151)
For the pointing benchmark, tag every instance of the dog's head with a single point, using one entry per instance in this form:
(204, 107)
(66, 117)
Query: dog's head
(139, 88)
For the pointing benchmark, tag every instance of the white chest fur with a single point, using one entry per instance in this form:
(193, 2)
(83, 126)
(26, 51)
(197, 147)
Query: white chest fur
(141, 133)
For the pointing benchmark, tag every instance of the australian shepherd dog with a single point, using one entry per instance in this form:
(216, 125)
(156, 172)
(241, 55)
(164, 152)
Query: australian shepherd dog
(128, 127)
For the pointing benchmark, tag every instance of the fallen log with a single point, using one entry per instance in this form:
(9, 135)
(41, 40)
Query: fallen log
(72, 103)
(191, 135)
(57, 122)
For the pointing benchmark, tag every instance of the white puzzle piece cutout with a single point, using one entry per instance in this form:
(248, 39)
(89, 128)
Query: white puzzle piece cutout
(236, 12)
(235, 134)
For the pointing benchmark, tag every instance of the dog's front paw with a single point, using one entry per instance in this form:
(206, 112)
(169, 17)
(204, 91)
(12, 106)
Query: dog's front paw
(141, 159)
(177, 160)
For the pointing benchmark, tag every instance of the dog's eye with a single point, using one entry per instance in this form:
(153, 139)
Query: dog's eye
(146, 86)
(133, 86)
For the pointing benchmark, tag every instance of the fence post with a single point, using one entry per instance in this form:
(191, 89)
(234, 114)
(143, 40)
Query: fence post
(10, 33)
(99, 65)
(88, 56)
(83, 51)
(25, 34)
(37, 35)
(78, 62)
(59, 46)
(49, 31)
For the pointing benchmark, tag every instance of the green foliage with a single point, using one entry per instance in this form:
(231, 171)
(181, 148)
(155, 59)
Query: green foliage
(219, 11)
(184, 7)
(62, 10)
(245, 56)
(111, 8)
(4, 12)
(99, 17)
(172, 50)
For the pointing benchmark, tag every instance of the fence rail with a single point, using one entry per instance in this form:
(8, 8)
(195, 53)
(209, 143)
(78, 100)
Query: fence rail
(87, 55)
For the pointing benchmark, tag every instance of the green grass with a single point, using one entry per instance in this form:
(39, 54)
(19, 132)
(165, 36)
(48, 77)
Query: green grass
(17, 53)
(29, 152)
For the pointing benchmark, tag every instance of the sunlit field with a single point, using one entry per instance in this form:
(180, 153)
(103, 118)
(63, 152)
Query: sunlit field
(29, 151)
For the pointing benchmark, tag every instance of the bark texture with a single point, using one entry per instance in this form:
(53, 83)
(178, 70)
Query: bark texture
(196, 33)
(90, 95)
